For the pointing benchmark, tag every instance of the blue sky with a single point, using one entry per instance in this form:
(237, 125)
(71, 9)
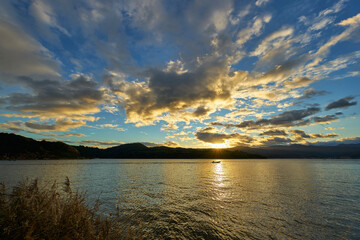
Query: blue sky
(181, 73)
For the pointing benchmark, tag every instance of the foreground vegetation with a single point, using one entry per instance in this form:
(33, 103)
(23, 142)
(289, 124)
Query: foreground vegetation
(30, 212)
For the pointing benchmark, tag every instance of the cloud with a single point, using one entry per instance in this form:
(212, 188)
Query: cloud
(64, 135)
(324, 18)
(169, 127)
(209, 135)
(200, 111)
(254, 30)
(330, 135)
(310, 93)
(169, 63)
(325, 49)
(22, 55)
(300, 135)
(15, 126)
(44, 128)
(44, 14)
(297, 82)
(351, 21)
(163, 144)
(274, 40)
(112, 126)
(326, 119)
(276, 141)
(170, 144)
(274, 133)
(211, 84)
(57, 99)
(95, 143)
(349, 140)
(341, 103)
(285, 119)
(261, 2)
(59, 125)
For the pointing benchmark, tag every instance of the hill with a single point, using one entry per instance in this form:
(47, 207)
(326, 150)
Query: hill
(13, 147)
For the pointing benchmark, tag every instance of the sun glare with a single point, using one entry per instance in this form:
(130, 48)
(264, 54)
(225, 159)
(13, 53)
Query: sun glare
(219, 145)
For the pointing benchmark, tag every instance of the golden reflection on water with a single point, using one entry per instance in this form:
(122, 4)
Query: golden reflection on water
(221, 183)
(218, 174)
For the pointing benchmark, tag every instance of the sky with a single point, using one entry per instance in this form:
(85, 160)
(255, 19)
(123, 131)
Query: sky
(188, 73)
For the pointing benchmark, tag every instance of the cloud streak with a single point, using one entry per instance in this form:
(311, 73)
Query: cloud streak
(341, 103)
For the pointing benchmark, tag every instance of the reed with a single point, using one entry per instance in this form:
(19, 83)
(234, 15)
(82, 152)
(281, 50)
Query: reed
(30, 212)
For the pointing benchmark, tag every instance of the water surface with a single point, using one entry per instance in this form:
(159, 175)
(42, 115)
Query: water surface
(197, 199)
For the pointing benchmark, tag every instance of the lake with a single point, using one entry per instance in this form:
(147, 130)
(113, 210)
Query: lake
(198, 199)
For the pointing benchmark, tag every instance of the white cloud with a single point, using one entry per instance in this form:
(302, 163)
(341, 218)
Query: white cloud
(261, 2)
(351, 21)
(274, 40)
(254, 30)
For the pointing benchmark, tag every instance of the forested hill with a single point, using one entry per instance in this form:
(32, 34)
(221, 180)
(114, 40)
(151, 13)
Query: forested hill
(14, 147)
(138, 150)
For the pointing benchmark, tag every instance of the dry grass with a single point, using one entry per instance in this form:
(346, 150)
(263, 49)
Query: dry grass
(30, 212)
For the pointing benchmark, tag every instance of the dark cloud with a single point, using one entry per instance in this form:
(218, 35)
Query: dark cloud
(14, 126)
(200, 111)
(327, 118)
(283, 71)
(165, 143)
(286, 119)
(210, 136)
(40, 128)
(59, 125)
(310, 92)
(330, 135)
(172, 91)
(57, 98)
(277, 141)
(95, 143)
(274, 133)
(300, 135)
(341, 103)
(64, 135)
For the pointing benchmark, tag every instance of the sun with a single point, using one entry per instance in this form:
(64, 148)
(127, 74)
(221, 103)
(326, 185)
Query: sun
(218, 145)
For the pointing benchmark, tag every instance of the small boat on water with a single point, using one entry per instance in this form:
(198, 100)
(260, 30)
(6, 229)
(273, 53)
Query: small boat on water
(216, 162)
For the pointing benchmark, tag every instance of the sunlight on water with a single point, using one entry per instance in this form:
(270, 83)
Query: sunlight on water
(198, 199)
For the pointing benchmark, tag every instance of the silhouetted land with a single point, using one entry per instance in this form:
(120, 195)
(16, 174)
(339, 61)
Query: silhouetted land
(306, 151)
(18, 147)
(14, 147)
(138, 150)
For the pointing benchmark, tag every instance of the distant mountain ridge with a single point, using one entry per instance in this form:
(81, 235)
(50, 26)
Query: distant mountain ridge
(14, 147)
(138, 150)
